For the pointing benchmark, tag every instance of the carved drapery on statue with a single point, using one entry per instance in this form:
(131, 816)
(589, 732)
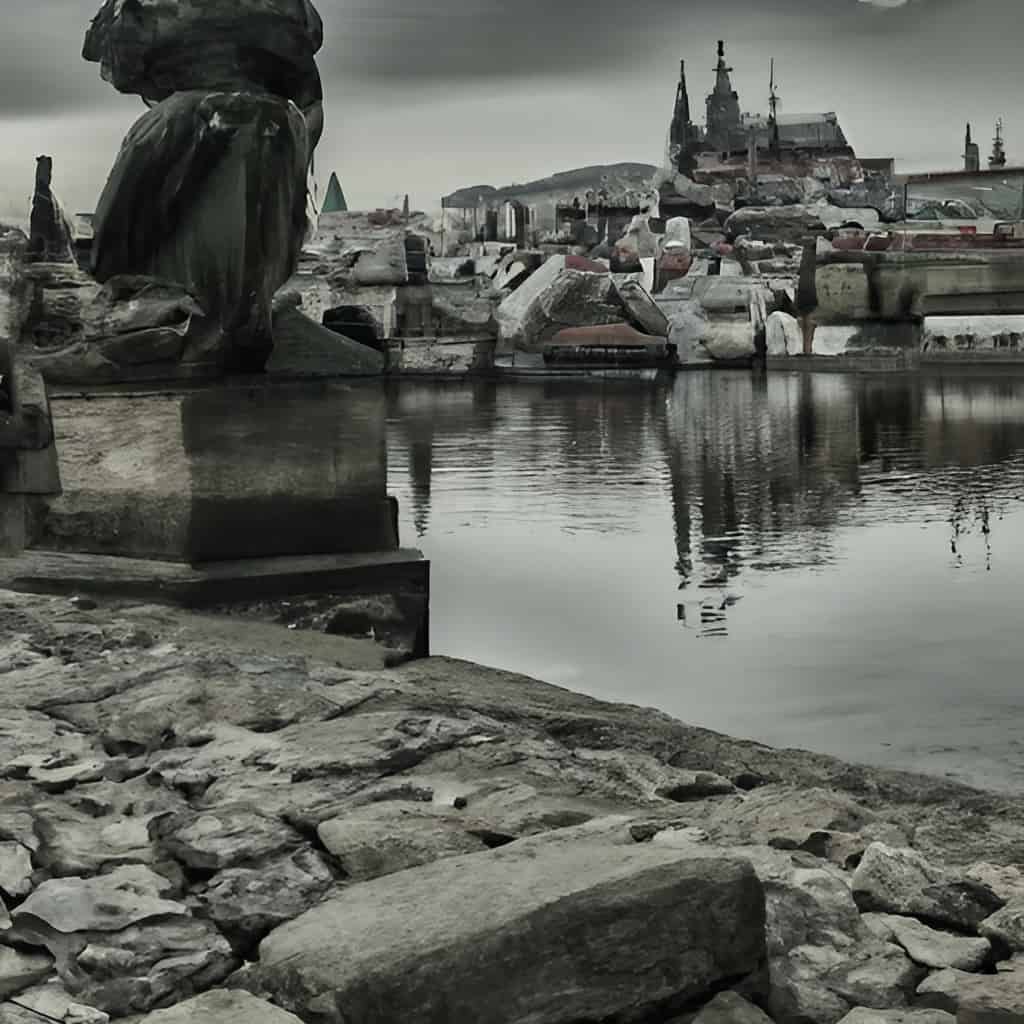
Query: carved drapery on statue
(209, 189)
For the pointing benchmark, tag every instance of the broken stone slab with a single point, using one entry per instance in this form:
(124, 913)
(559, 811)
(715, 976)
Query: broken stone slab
(384, 838)
(554, 297)
(20, 970)
(550, 929)
(106, 903)
(901, 881)
(977, 998)
(222, 1006)
(642, 309)
(47, 1003)
(731, 1008)
(929, 946)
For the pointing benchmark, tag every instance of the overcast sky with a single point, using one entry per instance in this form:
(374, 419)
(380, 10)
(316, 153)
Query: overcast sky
(423, 96)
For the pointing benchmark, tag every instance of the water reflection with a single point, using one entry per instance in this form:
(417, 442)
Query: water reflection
(831, 534)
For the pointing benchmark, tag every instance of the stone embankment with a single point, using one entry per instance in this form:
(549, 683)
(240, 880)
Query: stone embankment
(207, 821)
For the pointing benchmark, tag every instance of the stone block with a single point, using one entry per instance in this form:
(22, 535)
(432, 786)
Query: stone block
(543, 930)
(222, 473)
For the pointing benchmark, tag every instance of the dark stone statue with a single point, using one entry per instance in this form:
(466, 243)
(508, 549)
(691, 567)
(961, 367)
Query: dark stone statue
(209, 190)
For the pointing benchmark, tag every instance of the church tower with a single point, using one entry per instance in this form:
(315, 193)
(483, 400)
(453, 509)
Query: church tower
(723, 104)
(682, 136)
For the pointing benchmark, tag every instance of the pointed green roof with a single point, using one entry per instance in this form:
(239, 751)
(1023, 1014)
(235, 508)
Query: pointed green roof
(334, 201)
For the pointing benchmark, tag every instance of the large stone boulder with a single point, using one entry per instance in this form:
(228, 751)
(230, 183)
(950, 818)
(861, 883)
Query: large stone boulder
(547, 930)
(977, 998)
(901, 881)
(1005, 927)
(554, 297)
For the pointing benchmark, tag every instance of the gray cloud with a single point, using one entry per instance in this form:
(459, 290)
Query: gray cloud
(427, 95)
(392, 42)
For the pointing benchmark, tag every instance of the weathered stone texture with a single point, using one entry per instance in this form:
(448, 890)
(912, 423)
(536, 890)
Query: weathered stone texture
(552, 932)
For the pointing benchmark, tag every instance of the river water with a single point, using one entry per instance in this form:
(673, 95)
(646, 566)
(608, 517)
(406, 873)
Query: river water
(827, 561)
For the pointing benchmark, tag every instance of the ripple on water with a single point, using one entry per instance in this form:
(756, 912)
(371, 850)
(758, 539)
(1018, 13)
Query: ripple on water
(851, 545)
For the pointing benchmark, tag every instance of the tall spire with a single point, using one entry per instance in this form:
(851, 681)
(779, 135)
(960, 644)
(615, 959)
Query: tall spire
(681, 133)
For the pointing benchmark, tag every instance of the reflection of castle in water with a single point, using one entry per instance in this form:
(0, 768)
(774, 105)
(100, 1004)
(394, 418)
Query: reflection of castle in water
(761, 471)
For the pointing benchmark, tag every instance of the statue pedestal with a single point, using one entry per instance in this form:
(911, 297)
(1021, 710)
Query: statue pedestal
(265, 499)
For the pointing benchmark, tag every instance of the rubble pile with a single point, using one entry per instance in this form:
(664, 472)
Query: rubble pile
(207, 820)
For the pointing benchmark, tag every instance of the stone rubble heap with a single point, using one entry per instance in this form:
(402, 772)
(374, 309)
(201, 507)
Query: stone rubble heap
(206, 821)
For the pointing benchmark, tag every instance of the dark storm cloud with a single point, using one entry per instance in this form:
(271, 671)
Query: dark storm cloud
(389, 42)
(465, 39)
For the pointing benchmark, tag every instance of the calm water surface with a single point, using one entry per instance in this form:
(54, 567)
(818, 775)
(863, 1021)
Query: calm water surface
(831, 562)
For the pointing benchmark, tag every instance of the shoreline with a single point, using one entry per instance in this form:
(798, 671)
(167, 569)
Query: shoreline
(229, 777)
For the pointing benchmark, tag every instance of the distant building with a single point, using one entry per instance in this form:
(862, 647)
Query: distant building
(729, 132)
(972, 155)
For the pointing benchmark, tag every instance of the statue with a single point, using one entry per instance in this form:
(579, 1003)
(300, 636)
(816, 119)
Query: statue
(209, 190)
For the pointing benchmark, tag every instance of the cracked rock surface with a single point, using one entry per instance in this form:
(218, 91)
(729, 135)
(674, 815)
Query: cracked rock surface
(212, 820)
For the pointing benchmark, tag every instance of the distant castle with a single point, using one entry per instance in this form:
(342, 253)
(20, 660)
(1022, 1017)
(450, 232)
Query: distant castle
(729, 133)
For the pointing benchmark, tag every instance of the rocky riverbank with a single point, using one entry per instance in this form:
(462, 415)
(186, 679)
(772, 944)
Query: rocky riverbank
(210, 820)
